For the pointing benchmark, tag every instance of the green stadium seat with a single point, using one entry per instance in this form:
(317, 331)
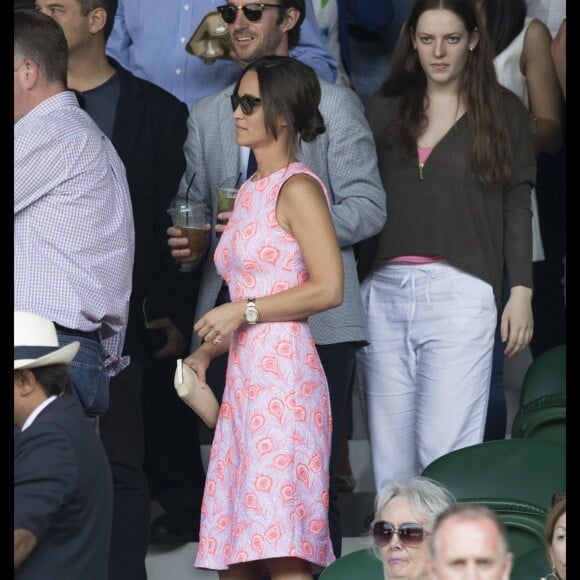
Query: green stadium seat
(358, 565)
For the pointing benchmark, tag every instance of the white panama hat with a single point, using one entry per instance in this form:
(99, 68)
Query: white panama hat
(36, 343)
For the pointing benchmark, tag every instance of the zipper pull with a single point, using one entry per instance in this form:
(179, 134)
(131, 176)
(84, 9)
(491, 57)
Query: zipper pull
(421, 171)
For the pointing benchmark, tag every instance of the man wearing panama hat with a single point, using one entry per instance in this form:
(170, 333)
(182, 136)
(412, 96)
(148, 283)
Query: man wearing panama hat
(63, 490)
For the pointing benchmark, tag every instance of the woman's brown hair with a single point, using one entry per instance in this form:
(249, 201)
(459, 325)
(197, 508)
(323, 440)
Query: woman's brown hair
(491, 156)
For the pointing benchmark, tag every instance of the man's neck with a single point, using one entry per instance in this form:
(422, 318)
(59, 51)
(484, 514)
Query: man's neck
(280, 50)
(88, 70)
(42, 94)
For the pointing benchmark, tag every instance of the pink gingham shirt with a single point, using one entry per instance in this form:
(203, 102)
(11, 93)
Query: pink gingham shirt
(73, 224)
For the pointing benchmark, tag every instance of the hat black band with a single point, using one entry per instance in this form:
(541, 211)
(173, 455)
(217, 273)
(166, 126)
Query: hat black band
(33, 352)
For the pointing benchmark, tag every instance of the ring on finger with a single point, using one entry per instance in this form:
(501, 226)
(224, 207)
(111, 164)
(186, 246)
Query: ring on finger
(216, 340)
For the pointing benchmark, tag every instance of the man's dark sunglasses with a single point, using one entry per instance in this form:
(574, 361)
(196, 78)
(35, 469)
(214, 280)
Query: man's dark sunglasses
(247, 103)
(410, 535)
(253, 12)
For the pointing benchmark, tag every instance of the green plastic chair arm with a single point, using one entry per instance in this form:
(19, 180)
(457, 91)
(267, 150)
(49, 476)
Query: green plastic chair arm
(553, 400)
(545, 375)
(539, 421)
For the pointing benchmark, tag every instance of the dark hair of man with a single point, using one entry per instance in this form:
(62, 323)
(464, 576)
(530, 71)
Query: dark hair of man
(504, 20)
(294, 33)
(289, 89)
(491, 155)
(109, 6)
(467, 511)
(55, 379)
(40, 38)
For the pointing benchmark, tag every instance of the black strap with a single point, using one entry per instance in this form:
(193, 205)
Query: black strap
(90, 334)
(252, 165)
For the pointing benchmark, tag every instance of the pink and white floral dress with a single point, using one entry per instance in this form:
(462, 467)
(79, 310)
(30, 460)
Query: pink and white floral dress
(266, 490)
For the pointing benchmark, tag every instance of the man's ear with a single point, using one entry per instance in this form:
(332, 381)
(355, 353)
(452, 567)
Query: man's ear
(30, 72)
(25, 381)
(97, 20)
(509, 562)
(291, 17)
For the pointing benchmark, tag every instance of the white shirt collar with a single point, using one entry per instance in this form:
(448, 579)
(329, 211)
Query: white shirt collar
(34, 414)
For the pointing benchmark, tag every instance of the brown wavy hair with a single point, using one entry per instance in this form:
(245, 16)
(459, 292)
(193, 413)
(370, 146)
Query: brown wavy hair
(491, 156)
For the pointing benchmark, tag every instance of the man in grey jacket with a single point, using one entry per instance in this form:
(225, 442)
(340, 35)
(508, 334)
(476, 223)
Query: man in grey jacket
(343, 157)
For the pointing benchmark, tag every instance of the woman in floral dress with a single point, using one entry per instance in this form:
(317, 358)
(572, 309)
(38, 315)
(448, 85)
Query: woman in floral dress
(265, 506)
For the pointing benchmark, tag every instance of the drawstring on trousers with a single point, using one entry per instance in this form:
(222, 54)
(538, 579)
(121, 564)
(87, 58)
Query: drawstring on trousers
(411, 276)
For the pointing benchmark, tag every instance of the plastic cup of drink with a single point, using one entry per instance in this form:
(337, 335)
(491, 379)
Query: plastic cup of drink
(226, 197)
(189, 217)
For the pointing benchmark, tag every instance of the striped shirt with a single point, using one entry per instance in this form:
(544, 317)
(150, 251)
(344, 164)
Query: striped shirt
(73, 224)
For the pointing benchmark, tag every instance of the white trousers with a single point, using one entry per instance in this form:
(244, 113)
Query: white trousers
(424, 378)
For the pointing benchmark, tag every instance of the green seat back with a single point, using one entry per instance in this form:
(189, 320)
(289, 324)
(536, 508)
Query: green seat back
(545, 375)
(524, 522)
(360, 564)
(520, 469)
(532, 565)
(543, 419)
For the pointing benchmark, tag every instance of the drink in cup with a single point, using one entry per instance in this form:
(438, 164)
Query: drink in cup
(189, 217)
(226, 198)
(195, 239)
(227, 192)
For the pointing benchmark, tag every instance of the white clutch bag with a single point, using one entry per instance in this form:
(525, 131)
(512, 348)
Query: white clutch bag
(196, 394)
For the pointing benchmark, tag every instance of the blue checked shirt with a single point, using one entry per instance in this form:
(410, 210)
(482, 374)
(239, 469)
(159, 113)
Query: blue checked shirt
(73, 224)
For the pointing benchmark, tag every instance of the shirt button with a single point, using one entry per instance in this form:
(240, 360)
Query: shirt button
(178, 71)
(186, 7)
(182, 39)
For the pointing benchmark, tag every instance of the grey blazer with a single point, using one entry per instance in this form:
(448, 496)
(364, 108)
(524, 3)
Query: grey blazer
(345, 159)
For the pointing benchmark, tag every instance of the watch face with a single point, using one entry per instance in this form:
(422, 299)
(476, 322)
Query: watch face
(251, 315)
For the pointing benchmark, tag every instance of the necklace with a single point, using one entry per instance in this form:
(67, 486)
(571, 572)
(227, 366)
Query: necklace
(424, 152)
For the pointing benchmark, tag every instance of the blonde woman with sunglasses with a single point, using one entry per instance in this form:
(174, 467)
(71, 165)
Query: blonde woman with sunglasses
(402, 525)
